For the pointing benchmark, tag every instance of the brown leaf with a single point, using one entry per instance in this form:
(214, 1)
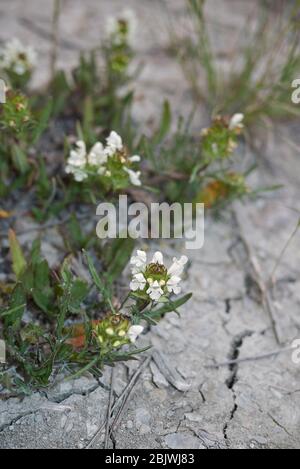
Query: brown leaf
(4, 214)
(78, 334)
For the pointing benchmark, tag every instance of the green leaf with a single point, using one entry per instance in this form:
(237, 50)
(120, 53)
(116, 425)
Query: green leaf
(169, 307)
(77, 240)
(78, 293)
(117, 257)
(79, 131)
(41, 375)
(83, 370)
(125, 356)
(18, 259)
(88, 118)
(43, 293)
(12, 311)
(36, 251)
(98, 282)
(96, 279)
(20, 159)
(61, 90)
(43, 121)
(27, 280)
(195, 171)
(18, 301)
(31, 333)
(42, 275)
(165, 123)
(71, 294)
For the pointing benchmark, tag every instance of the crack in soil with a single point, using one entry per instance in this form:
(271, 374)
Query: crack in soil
(279, 425)
(202, 393)
(228, 305)
(16, 419)
(64, 397)
(234, 354)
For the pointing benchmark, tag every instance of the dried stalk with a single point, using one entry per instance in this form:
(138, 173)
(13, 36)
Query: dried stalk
(255, 273)
(110, 404)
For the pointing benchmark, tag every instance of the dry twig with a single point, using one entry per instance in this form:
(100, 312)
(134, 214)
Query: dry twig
(254, 272)
(120, 404)
(284, 250)
(110, 403)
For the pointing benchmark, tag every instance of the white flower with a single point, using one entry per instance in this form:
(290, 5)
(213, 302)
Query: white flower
(139, 262)
(102, 160)
(97, 155)
(173, 285)
(113, 25)
(19, 68)
(138, 282)
(134, 159)
(130, 18)
(177, 267)
(236, 122)
(158, 258)
(77, 162)
(154, 278)
(18, 57)
(155, 291)
(174, 273)
(134, 332)
(114, 143)
(134, 176)
(79, 174)
(78, 156)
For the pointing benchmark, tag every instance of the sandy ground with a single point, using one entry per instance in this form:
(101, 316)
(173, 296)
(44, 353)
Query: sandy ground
(182, 400)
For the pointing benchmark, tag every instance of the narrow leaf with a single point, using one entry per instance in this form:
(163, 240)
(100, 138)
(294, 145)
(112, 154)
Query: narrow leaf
(167, 308)
(165, 123)
(18, 259)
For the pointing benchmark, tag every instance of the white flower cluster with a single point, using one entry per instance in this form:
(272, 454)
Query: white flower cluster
(17, 57)
(102, 160)
(122, 27)
(154, 279)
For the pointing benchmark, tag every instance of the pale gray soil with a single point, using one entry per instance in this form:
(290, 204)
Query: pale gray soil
(181, 401)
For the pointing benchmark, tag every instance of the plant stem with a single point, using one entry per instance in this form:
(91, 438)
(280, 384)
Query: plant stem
(55, 36)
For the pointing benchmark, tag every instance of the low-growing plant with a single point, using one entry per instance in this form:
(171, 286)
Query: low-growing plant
(102, 172)
(109, 167)
(199, 169)
(223, 189)
(54, 321)
(93, 101)
(98, 96)
(20, 132)
(259, 83)
(17, 63)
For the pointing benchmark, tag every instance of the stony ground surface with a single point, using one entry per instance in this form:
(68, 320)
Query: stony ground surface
(188, 394)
